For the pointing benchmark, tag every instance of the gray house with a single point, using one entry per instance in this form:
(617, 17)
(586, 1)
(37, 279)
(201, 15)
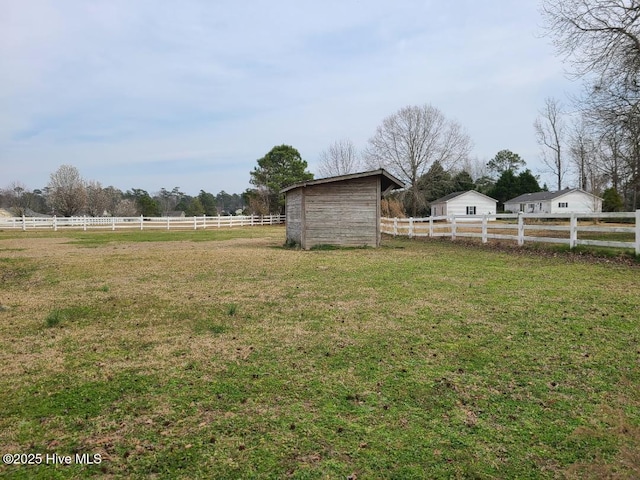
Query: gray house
(343, 210)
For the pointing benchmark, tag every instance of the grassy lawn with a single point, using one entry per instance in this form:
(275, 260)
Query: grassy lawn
(220, 354)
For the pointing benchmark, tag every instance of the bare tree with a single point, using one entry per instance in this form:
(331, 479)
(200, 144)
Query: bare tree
(114, 198)
(169, 200)
(18, 198)
(600, 39)
(411, 140)
(340, 158)
(597, 36)
(583, 153)
(611, 161)
(125, 207)
(67, 193)
(98, 199)
(550, 132)
(617, 120)
(475, 166)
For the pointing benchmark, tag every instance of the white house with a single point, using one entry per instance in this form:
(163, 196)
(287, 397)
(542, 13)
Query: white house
(568, 200)
(464, 203)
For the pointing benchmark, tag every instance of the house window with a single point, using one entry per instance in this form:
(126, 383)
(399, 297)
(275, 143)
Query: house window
(471, 210)
(563, 204)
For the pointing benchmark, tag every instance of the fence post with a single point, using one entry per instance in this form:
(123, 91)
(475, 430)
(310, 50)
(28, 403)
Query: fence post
(637, 232)
(484, 228)
(410, 227)
(520, 229)
(195, 222)
(431, 226)
(573, 232)
(218, 221)
(84, 224)
(113, 223)
(55, 223)
(168, 226)
(395, 226)
(454, 227)
(24, 224)
(141, 222)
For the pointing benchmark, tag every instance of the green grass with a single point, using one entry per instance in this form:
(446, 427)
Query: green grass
(15, 270)
(60, 316)
(240, 359)
(97, 238)
(93, 239)
(232, 309)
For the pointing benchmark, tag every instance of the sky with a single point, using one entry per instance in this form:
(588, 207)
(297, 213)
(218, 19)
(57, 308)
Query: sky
(156, 94)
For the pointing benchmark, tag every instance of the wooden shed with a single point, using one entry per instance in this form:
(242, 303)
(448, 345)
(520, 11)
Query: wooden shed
(343, 210)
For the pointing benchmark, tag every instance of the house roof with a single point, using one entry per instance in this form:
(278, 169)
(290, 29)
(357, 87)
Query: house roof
(453, 195)
(389, 182)
(542, 196)
(174, 213)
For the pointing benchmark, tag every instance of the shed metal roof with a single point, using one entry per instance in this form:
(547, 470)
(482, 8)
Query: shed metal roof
(389, 182)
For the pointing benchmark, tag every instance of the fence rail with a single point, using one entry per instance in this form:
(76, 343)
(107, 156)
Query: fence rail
(139, 223)
(570, 229)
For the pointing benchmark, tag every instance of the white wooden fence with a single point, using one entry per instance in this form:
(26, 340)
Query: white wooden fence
(140, 223)
(566, 228)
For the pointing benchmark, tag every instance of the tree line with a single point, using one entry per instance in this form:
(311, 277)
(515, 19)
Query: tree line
(68, 194)
(418, 145)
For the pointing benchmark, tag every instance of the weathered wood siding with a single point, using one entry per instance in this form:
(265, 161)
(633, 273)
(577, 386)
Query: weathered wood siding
(342, 213)
(293, 208)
